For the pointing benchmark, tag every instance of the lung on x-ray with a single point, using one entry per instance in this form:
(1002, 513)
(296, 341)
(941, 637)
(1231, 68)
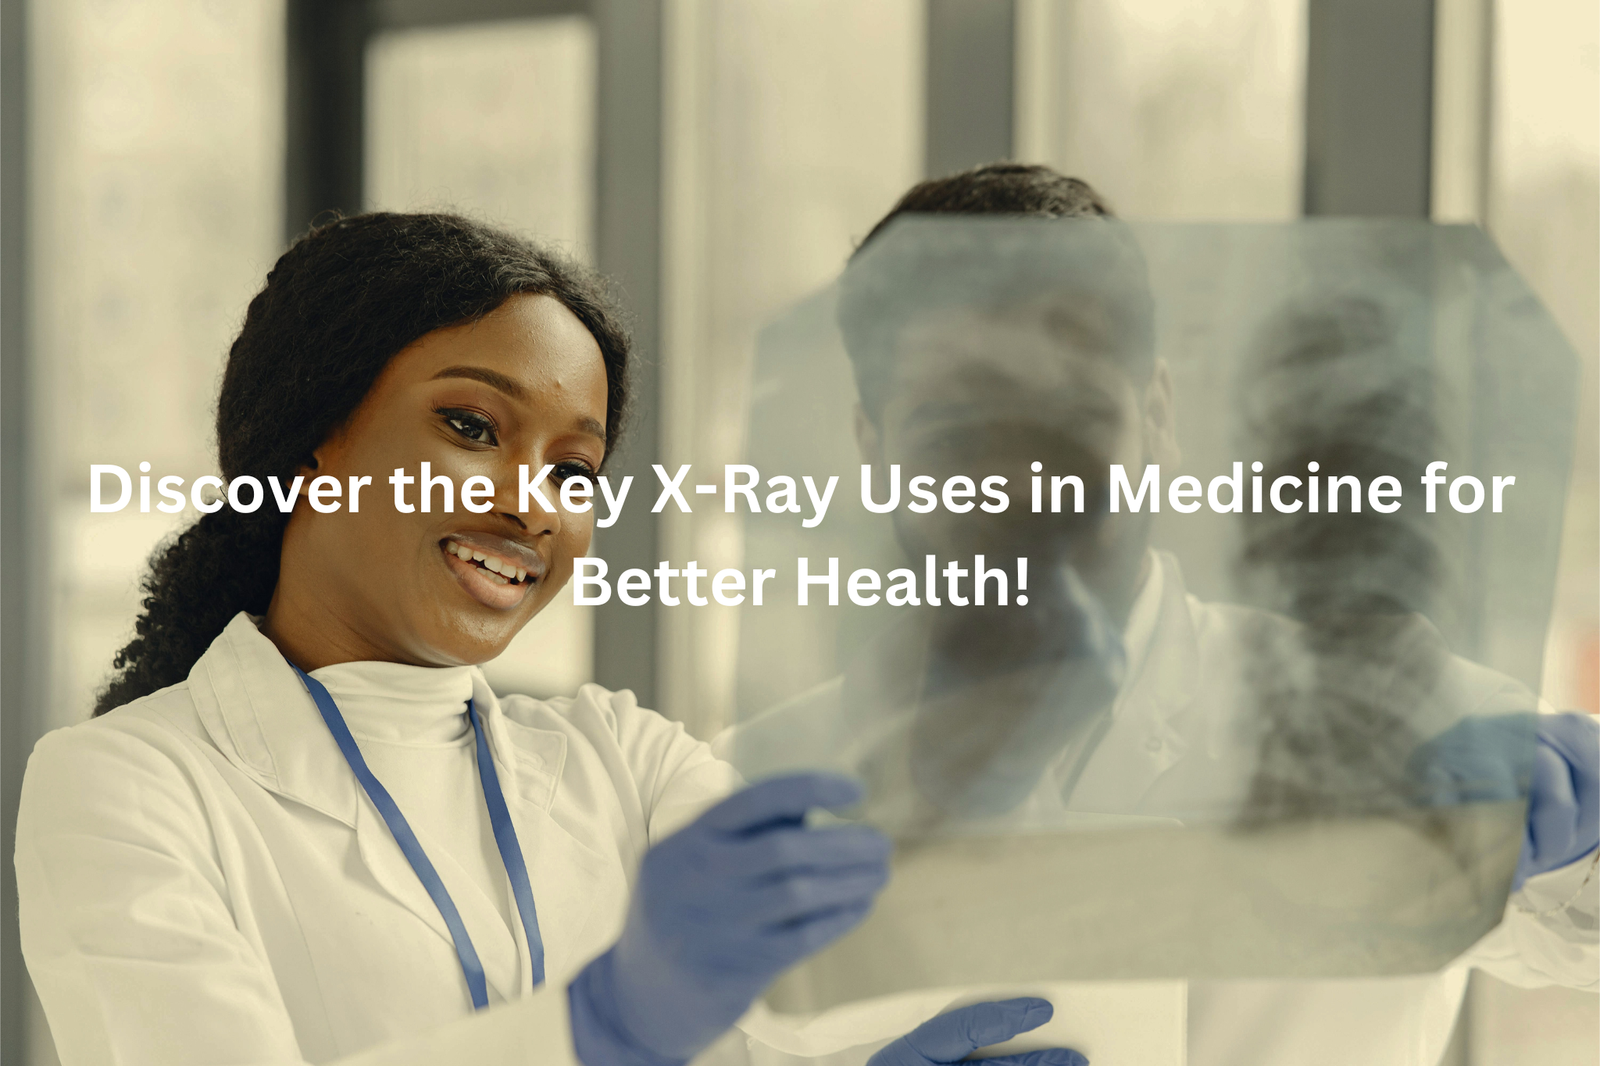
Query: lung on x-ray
(1239, 680)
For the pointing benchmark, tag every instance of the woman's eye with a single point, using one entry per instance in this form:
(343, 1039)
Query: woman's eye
(566, 470)
(475, 428)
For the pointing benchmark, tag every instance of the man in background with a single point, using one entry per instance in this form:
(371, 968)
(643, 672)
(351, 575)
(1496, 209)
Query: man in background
(1106, 693)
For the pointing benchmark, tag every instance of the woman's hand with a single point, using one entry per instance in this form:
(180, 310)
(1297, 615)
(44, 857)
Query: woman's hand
(953, 1036)
(719, 911)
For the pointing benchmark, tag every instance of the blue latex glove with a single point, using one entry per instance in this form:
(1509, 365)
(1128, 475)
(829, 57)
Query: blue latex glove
(1477, 760)
(952, 1037)
(1564, 797)
(720, 910)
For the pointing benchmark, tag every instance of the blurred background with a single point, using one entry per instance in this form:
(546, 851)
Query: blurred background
(719, 159)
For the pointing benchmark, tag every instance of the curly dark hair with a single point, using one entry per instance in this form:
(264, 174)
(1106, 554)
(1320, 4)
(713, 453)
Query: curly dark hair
(337, 306)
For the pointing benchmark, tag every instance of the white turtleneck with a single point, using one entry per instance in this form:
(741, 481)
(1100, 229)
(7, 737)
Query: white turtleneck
(412, 727)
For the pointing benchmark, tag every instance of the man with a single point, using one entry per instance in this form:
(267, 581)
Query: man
(981, 352)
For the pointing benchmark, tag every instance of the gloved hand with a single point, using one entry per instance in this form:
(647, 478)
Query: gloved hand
(1564, 796)
(720, 909)
(952, 1037)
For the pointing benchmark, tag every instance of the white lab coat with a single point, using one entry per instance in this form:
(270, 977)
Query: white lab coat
(201, 880)
(1167, 747)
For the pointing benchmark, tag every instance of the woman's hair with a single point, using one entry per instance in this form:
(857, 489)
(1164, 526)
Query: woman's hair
(337, 306)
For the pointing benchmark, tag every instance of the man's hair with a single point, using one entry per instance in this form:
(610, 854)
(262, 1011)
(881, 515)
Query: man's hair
(1086, 274)
(999, 189)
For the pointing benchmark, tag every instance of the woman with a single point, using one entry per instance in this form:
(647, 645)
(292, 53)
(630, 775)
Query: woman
(301, 824)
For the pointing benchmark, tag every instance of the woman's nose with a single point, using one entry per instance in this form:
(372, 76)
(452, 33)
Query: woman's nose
(534, 504)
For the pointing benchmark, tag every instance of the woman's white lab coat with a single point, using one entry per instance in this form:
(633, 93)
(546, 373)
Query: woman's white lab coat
(204, 855)
(201, 880)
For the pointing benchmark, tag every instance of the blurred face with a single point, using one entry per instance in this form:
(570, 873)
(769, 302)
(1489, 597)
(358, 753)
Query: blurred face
(524, 385)
(979, 394)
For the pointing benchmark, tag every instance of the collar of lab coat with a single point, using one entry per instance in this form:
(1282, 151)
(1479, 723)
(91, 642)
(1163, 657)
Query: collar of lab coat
(1143, 739)
(263, 721)
(1161, 677)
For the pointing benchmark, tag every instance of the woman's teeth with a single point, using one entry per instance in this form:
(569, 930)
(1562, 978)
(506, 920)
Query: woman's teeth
(501, 570)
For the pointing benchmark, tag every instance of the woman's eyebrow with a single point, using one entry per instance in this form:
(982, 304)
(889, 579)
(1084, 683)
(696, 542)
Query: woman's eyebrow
(492, 378)
(514, 389)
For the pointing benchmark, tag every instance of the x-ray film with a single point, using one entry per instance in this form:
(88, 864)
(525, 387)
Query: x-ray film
(1181, 601)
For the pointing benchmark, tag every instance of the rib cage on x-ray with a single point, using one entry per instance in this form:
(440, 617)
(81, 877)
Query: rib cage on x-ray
(1346, 733)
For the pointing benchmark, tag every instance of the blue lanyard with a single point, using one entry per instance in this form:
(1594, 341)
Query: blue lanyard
(505, 835)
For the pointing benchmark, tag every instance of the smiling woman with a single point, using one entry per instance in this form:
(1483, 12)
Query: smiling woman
(295, 828)
(523, 385)
(377, 338)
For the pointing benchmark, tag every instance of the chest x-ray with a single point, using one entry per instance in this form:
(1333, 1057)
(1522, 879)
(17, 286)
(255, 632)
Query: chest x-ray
(1200, 639)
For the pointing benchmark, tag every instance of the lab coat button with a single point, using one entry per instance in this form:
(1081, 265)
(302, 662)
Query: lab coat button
(1153, 744)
